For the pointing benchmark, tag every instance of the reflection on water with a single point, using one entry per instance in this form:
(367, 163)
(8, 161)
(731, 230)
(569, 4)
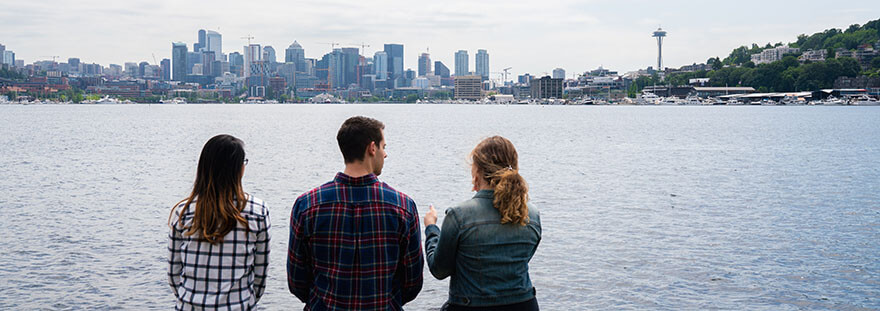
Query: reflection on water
(642, 207)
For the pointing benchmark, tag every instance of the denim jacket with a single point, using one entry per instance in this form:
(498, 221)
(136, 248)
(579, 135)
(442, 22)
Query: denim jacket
(488, 261)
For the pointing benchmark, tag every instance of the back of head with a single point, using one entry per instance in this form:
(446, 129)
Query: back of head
(356, 134)
(496, 159)
(217, 189)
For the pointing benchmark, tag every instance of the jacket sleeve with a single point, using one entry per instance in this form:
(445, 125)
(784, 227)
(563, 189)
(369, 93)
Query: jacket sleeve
(261, 256)
(442, 246)
(175, 262)
(412, 259)
(299, 272)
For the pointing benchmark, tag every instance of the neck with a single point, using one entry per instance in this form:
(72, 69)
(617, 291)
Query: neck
(357, 169)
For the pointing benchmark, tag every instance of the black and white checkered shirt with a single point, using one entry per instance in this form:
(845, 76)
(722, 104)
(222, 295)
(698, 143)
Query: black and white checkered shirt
(228, 276)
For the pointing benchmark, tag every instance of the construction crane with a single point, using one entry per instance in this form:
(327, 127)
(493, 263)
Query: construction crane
(333, 45)
(249, 38)
(503, 73)
(53, 57)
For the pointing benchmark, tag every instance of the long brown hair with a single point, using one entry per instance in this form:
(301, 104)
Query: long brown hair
(217, 190)
(496, 159)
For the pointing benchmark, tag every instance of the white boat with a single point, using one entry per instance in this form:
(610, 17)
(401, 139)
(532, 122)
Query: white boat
(833, 101)
(864, 100)
(669, 101)
(735, 102)
(694, 101)
(647, 99)
(768, 102)
(174, 101)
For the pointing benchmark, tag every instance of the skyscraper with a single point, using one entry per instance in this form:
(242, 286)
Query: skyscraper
(295, 54)
(269, 54)
(142, 68)
(395, 63)
(178, 55)
(380, 65)
(73, 63)
(482, 64)
(558, 73)
(441, 70)
(424, 64)
(214, 43)
(208, 60)
(252, 53)
(198, 46)
(8, 58)
(166, 69)
(461, 63)
(236, 63)
(350, 62)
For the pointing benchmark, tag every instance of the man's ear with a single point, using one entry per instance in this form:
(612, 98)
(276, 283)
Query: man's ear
(371, 149)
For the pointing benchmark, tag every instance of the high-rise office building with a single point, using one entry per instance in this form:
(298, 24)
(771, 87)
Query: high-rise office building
(178, 56)
(441, 70)
(558, 73)
(252, 53)
(269, 54)
(166, 69)
(380, 65)
(295, 54)
(213, 43)
(8, 58)
(236, 63)
(350, 63)
(482, 65)
(74, 64)
(198, 46)
(424, 64)
(395, 63)
(142, 68)
(208, 60)
(461, 63)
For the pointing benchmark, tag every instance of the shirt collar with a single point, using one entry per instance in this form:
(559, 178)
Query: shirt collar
(485, 194)
(368, 179)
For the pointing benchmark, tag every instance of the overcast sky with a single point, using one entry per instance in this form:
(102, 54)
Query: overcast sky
(530, 36)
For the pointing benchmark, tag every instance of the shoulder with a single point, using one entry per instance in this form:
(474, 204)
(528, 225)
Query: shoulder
(466, 207)
(395, 197)
(255, 207)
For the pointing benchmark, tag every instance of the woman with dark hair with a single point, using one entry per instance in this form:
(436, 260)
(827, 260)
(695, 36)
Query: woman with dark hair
(487, 242)
(219, 240)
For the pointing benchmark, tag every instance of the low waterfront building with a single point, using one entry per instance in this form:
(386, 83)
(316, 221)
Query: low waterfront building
(705, 92)
(468, 87)
(546, 87)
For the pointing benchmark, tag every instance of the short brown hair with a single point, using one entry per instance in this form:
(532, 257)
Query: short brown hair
(356, 134)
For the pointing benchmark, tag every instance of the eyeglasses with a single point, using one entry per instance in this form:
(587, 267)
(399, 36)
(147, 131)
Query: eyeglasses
(245, 161)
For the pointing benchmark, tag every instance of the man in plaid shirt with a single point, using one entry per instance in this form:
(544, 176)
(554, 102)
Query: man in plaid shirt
(355, 241)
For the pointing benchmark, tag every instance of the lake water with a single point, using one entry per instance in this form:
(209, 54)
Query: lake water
(773, 208)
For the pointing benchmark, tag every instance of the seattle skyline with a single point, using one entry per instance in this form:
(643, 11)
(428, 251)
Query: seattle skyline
(582, 36)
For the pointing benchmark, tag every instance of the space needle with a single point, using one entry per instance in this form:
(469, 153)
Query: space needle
(659, 34)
